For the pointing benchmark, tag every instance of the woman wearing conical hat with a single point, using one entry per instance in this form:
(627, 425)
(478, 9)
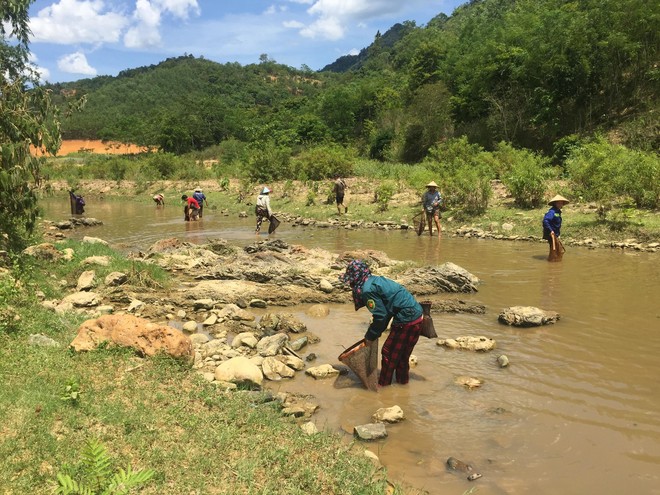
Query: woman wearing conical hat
(431, 201)
(552, 227)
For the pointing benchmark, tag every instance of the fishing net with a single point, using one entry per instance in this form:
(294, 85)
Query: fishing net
(274, 223)
(419, 222)
(362, 359)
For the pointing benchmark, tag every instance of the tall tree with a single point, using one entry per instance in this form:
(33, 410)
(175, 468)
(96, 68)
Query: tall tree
(27, 121)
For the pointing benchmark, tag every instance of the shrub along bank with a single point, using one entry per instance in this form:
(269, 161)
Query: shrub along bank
(150, 414)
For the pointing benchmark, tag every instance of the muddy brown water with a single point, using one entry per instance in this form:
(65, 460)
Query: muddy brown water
(578, 409)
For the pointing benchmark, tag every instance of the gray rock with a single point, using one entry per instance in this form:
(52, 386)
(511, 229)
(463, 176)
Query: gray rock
(94, 240)
(469, 343)
(135, 306)
(96, 260)
(82, 299)
(392, 414)
(244, 338)
(447, 277)
(211, 320)
(198, 339)
(271, 346)
(309, 428)
(239, 370)
(322, 371)
(190, 326)
(298, 344)
(116, 278)
(527, 316)
(503, 361)
(257, 303)
(207, 304)
(275, 370)
(325, 286)
(86, 280)
(372, 431)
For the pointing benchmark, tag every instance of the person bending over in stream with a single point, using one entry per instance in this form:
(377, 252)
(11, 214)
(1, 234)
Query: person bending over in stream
(190, 208)
(387, 301)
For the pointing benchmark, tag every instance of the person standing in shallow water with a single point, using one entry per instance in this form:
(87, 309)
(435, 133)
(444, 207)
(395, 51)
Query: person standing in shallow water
(387, 301)
(262, 209)
(552, 227)
(200, 197)
(431, 201)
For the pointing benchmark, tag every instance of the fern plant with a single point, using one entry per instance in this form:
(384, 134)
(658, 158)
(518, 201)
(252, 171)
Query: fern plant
(96, 476)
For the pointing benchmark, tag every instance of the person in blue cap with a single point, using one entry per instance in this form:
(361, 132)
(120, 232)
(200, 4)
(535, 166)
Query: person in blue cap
(388, 301)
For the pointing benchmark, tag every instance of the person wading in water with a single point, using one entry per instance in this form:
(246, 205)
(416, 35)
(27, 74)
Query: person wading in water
(262, 209)
(431, 201)
(552, 227)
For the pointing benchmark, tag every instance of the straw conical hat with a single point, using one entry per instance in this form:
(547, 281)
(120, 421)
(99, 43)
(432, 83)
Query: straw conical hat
(431, 184)
(558, 197)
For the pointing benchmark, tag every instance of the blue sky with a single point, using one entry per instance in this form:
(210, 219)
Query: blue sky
(76, 39)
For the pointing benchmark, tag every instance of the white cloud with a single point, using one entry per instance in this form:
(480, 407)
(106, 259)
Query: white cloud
(326, 27)
(355, 9)
(76, 63)
(145, 33)
(293, 24)
(76, 21)
(336, 16)
(353, 51)
(178, 8)
(270, 10)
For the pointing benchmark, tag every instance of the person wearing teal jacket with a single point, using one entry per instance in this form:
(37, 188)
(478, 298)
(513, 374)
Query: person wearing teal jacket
(388, 301)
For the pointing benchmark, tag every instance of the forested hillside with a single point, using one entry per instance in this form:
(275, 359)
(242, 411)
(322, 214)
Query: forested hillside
(538, 74)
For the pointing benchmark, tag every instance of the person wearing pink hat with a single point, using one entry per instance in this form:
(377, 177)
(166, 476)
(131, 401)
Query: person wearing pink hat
(552, 227)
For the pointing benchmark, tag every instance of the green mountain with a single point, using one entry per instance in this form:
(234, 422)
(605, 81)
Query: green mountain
(184, 103)
(539, 74)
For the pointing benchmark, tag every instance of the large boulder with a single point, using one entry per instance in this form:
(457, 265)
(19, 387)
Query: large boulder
(527, 316)
(447, 277)
(130, 331)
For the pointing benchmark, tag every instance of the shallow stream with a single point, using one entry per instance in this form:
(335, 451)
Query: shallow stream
(578, 409)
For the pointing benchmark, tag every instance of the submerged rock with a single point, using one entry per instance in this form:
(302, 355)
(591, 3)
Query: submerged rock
(469, 342)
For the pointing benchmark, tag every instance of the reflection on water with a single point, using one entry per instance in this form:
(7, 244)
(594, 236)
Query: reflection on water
(578, 409)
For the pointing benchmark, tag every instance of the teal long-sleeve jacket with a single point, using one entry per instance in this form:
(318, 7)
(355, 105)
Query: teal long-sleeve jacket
(387, 300)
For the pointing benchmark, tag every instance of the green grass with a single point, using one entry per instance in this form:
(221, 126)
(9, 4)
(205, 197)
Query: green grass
(148, 413)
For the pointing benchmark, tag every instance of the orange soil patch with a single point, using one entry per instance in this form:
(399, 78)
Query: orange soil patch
(98, 146)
